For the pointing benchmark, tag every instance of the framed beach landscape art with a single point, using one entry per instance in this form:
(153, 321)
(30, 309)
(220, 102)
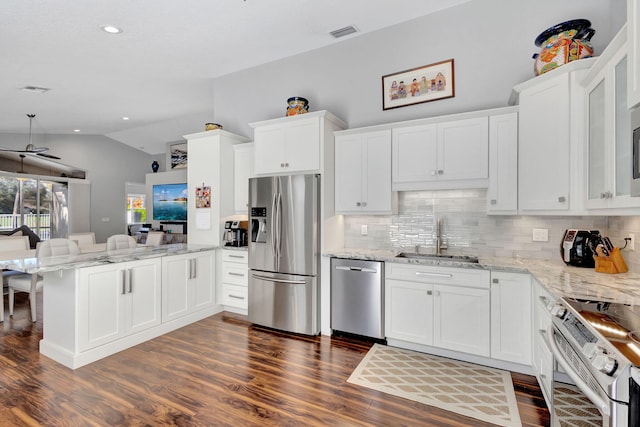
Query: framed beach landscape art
(423, 84)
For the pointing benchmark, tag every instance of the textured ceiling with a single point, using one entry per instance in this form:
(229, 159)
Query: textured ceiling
(159, 71)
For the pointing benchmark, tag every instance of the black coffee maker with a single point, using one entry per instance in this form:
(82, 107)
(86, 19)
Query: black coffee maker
(235, 233)
(578, 247)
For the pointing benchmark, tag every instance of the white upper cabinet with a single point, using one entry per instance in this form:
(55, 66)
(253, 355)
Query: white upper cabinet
(633, 64)
(363, 172)
(609, 130)
(502, 194)
(293, 144)
(440, 155)
(242, 171)
(551, 141)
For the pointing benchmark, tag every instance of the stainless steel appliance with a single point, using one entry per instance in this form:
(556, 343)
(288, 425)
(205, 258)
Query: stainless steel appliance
(284, 253)
(598, 344)
(579, 246)
(635, 150)
(235, 233)
(357, 297)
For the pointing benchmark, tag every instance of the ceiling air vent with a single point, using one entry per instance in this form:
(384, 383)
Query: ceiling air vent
(35, 89)
(344, 31)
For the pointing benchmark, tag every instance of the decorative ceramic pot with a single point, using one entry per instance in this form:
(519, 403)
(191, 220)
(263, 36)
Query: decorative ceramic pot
(154, 166)
(563, 43)
(297, 105)
(212, 126)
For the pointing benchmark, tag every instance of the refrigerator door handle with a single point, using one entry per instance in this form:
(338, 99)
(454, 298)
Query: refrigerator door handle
(273, 225)
(279, 224)
(272, 279)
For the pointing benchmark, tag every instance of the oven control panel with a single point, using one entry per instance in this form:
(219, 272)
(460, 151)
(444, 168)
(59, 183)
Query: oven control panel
(578, 331)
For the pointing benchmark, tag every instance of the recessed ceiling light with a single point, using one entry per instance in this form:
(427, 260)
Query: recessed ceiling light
(111, 29)
(125, 118)
(344, 31)
(76, 130)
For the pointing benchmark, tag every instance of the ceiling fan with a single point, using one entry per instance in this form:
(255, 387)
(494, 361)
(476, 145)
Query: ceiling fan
(30, 148)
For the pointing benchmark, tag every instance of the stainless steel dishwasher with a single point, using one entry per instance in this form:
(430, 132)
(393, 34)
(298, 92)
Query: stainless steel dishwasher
(357, 297)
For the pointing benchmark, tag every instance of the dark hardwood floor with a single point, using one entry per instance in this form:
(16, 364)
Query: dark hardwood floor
(218, 372)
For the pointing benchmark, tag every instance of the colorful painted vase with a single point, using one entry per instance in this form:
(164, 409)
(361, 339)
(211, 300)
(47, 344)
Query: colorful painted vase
(563, 43)
(297, 105)
(212, 126)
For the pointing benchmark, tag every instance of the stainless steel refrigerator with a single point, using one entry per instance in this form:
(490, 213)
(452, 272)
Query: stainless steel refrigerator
(284, 252)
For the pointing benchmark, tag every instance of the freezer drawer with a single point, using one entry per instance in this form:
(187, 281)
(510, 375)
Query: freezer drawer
(283, 301)
(357, 297)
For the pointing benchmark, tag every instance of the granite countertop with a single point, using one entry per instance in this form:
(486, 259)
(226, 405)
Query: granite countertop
(559, 279)
(30, 264)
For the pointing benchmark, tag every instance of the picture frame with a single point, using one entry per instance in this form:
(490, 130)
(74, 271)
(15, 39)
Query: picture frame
(178, 154)
(203, 197)
(418, 85)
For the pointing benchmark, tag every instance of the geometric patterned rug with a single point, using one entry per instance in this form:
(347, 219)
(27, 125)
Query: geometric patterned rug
(465, 388)
(573, 409)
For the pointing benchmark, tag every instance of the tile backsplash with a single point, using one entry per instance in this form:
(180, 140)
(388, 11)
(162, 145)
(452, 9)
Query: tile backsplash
(466, 228)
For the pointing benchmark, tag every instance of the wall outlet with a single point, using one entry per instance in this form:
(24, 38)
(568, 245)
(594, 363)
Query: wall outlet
(540, 235)
(364, 230)
(632, 242)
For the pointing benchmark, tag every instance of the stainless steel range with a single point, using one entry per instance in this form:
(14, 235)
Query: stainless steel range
(598, 345)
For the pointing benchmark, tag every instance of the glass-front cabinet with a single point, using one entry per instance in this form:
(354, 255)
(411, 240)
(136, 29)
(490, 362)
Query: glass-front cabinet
(608, 173)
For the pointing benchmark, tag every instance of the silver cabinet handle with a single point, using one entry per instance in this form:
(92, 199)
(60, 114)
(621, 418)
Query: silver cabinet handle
(358, 204)
(562, 199)
(236, 256)
(231, 273)
(426, 273)
(195, 268)
(440, 172)
(495, 280)
(235, 297)
(429, 292)
(494, 202)
(130, 280)
(124, 282)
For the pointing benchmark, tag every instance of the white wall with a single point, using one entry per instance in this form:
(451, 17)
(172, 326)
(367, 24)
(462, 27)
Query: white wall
(491, 41)
(109, 164)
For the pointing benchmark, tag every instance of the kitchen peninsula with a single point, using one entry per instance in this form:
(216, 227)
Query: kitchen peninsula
(100, 303)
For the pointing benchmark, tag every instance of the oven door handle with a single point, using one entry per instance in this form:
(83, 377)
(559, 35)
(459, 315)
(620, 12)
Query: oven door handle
(600, 403)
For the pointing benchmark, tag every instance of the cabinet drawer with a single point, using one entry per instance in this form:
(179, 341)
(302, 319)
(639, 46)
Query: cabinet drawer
(235, 256)
(439, 275)
(235, 296)
(237, 274)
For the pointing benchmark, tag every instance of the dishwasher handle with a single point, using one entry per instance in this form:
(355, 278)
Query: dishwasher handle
(352, 268)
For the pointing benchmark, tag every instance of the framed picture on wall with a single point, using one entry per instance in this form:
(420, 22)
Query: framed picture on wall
(417, 85)
(178, 156)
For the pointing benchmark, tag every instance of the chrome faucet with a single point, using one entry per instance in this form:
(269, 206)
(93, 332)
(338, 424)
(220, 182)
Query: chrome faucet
(440, 246)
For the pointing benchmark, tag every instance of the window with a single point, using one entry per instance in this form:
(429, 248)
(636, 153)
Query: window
(136, 208)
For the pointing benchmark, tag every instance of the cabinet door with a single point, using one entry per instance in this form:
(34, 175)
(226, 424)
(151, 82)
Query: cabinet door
(502, 194)
(202, 271)
(463, 149)
(408, 311)
(175, 276)
(511, 338)
(302, 145)
(269, 150)
(100, 305)
(242, 171)
(599, 126)
(413, 154)
(544, 146)
(633, 38)
(348, 164)
(461, 319)
(376, 172)
(144, 294)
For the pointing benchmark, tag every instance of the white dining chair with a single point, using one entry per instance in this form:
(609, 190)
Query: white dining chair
(83, 239)
(154, 238)
(120, 241)
(10, 247)
(32, 283)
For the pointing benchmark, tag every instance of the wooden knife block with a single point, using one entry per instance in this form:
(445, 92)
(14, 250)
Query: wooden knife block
(612, 264)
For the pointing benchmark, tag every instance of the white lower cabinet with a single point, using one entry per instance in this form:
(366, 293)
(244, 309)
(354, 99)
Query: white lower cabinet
(117, 300)
(235, 280)
(408, 314)
(188, 284)
(511, 317)
(461, 318)
(440, 306)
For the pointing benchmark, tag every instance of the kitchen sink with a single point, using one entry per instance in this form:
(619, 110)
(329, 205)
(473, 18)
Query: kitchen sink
(434, 257)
